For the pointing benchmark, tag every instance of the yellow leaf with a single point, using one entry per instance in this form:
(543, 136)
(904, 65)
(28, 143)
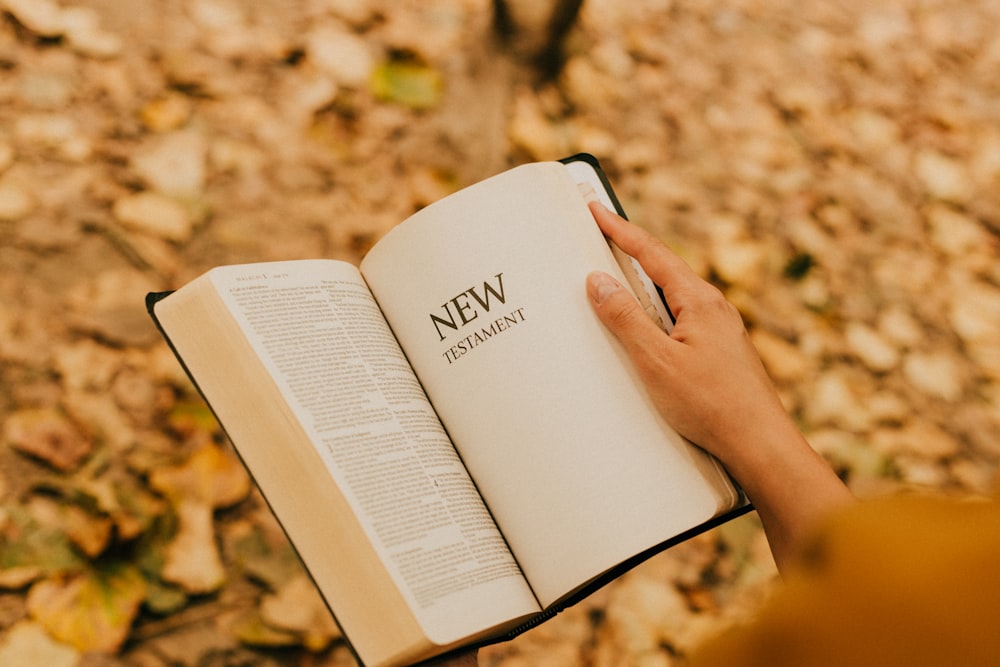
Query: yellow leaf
(408, 83)
(253, 631)
(211, 474)
(189, 418)
(92, 611)
(166, 113)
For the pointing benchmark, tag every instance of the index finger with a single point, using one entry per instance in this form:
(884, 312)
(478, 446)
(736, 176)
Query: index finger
(666, 269)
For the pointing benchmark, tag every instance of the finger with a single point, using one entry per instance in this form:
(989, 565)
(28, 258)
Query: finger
(621, 314)
(666, 269)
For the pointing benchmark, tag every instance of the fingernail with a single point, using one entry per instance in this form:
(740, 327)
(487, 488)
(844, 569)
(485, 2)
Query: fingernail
(602, 286)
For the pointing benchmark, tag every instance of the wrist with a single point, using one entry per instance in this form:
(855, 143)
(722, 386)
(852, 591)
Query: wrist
(790, 485)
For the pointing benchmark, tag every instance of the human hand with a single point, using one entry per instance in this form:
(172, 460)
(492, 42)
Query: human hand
(705, 377)
(708, 382)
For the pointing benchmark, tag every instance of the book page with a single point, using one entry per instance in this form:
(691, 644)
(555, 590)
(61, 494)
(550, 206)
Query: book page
(645, 290)
(318, 331)
(486, 292)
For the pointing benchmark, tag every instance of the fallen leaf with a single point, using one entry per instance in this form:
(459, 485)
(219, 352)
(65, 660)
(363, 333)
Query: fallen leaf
(192, 560)
(409, 83)
(149, 553)
(164, 599)
(29, 549)
(17, 577)
(211, 474)
(92, 611)
(98, 414)
(166, 113)
(27, 643)
(191, 417)
(119, 495)
(47, 435)
(154, 214)
(297, 607)
(90, 532)
(253, 631)
(135, 508)
(263, 552)
(86, 365)
(40, 16)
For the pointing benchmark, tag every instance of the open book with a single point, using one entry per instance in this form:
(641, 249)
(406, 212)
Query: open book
(454, 444)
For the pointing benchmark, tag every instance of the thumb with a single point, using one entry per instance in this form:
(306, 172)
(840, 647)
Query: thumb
(620, 312)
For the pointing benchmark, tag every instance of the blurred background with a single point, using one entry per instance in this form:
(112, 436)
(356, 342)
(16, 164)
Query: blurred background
(834, 166)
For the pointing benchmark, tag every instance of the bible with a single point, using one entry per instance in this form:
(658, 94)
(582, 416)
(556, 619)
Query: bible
(453, 443)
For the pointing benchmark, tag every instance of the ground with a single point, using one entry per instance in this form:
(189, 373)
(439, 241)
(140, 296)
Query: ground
(833, 167)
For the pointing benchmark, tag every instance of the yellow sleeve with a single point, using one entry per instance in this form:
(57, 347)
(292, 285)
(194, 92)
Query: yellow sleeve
(902, 581)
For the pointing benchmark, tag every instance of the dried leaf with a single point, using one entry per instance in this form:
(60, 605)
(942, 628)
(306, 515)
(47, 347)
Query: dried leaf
(166, 113)
(97, 413)
(265, 555)
(188, 418)
(173, 164)
(298, 608)
(151, 547)
(136, 508)
(27, 643)
(164, 599)
(90, 532)
(40, 16)
(116, 497)
(92, 611)
(408, 83)
(46, 435)
(128, 504)
(253, 631)
(211, 474)
(14, 578)
(192, 559)
(29, 549)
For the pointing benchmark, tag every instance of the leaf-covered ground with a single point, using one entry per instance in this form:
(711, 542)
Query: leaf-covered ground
(834, 167)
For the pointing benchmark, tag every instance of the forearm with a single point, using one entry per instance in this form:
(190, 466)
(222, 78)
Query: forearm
(791, 486)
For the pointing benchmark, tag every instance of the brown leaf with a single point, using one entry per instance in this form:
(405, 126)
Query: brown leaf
(13, 578)
(47, 435)
(91, 611)
(192, 560)
(90, 532)
(124, 499)
(298, 607)
(97, 413)
(211, 474)
(27, 643)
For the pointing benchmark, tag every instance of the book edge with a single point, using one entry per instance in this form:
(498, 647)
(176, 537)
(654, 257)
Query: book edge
(422, 648)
